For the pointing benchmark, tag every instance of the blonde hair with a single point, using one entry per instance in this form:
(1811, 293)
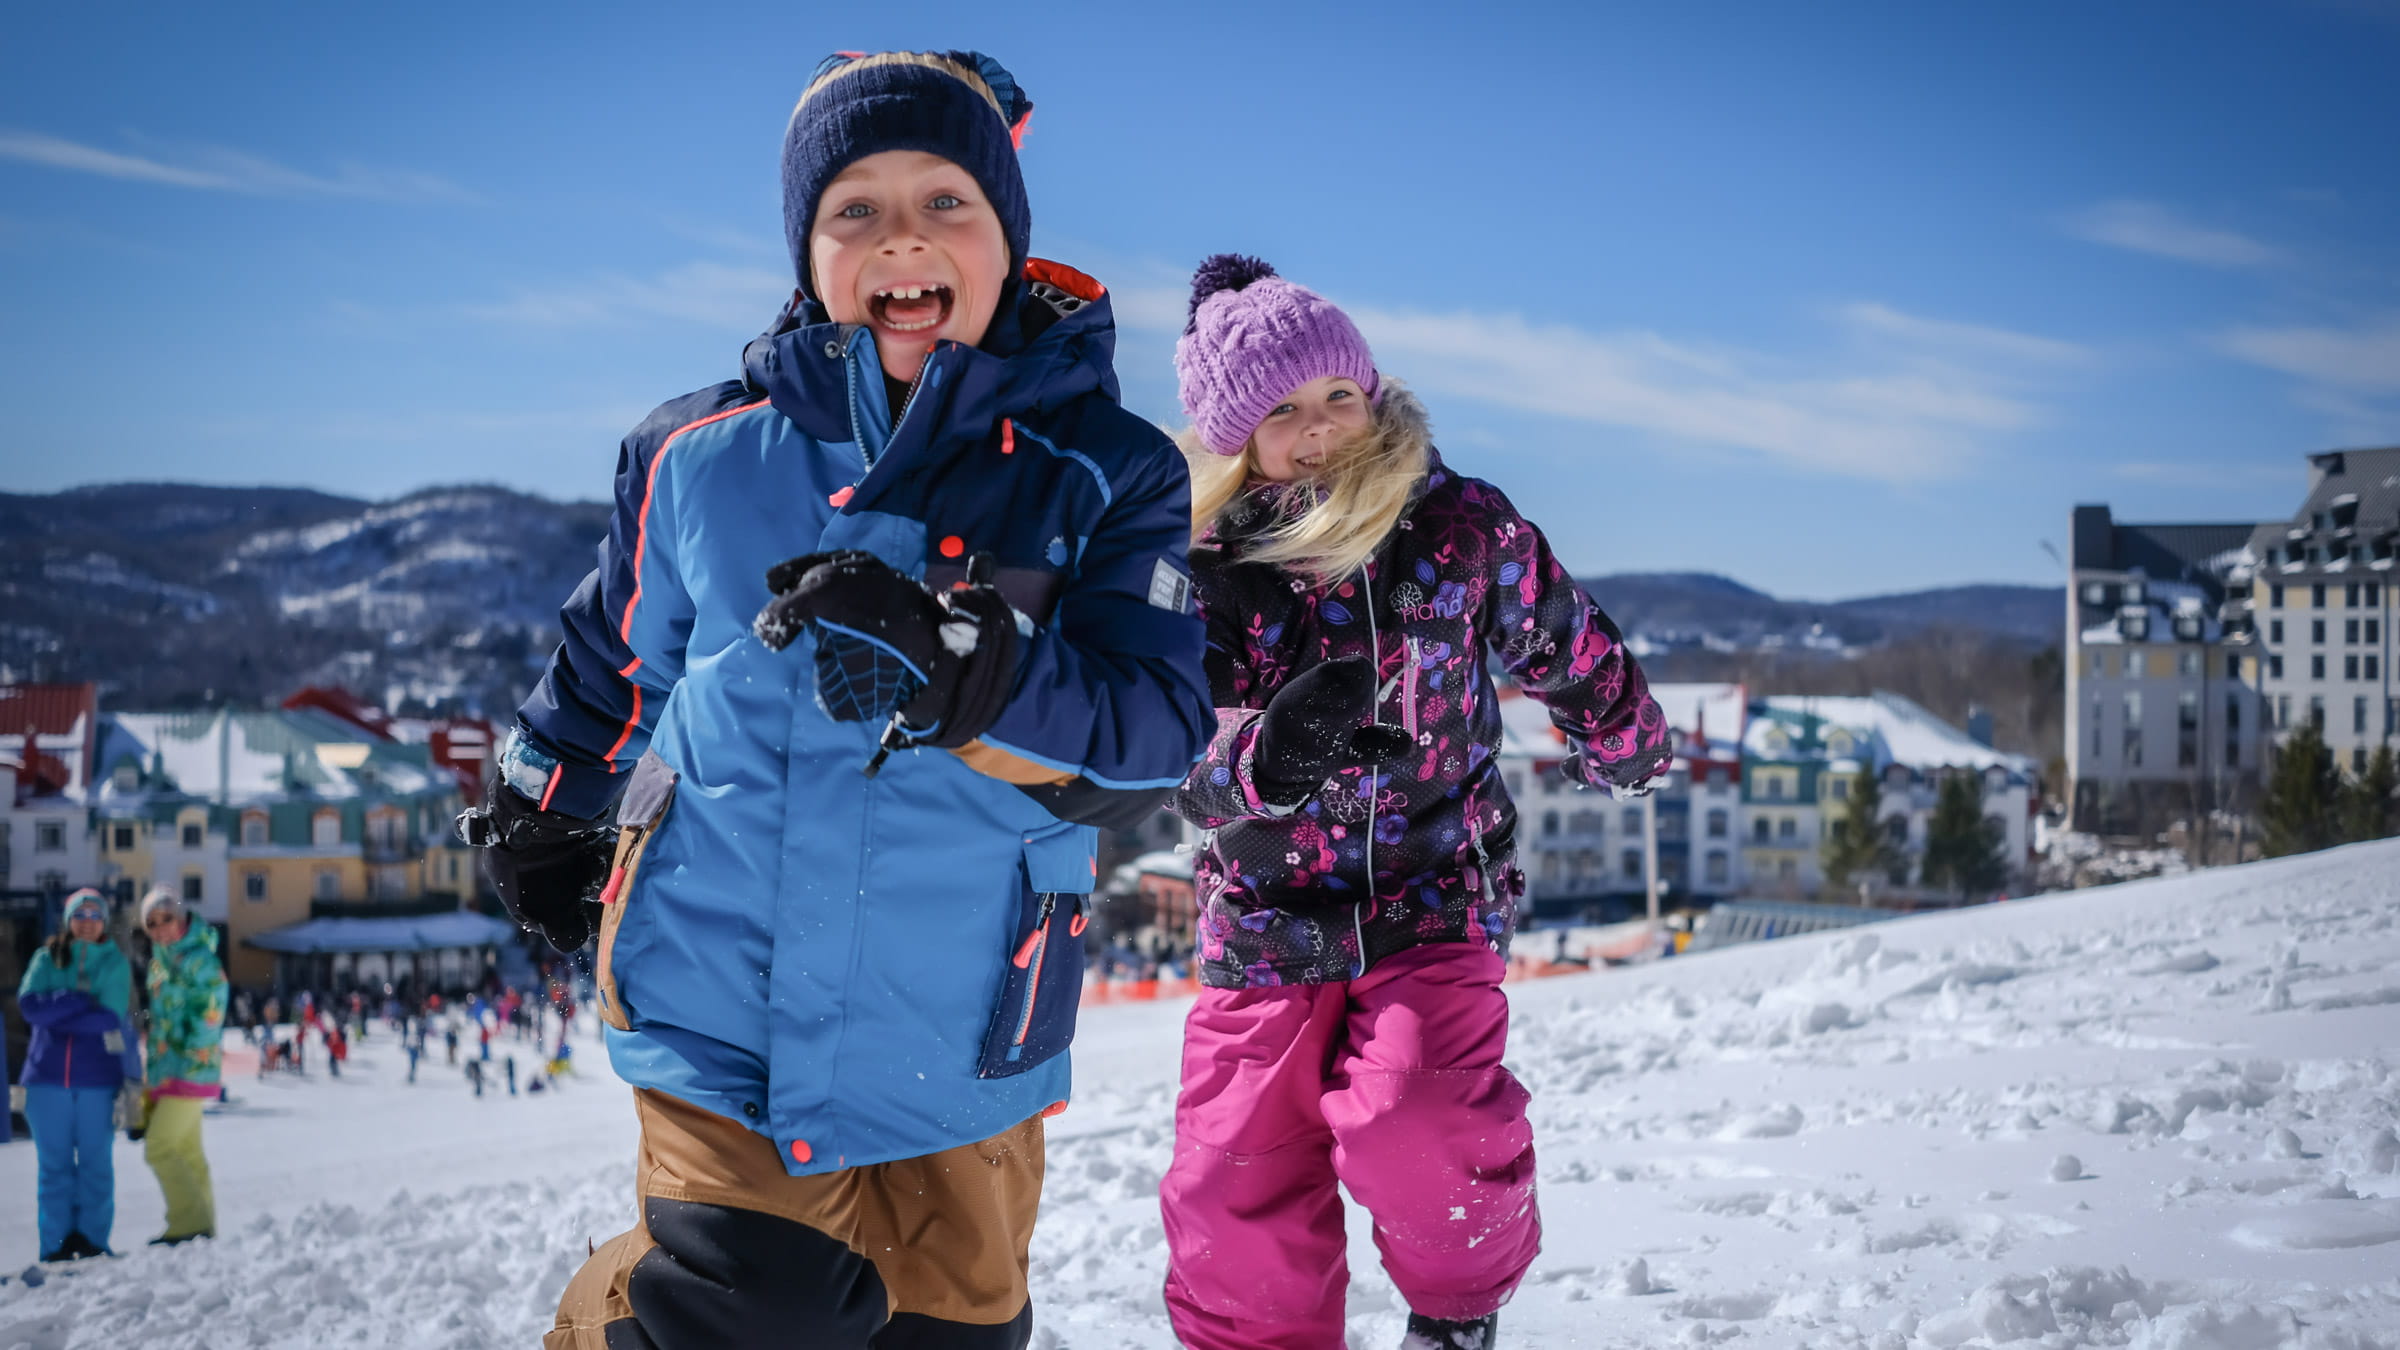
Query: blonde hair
(1367, 485)
(964, 74)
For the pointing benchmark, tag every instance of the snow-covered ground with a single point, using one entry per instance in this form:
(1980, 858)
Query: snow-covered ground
(2157, 1115)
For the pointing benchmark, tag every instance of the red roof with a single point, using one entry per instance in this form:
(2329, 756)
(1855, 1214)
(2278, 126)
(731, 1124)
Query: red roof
(48, 709)
(345, 705)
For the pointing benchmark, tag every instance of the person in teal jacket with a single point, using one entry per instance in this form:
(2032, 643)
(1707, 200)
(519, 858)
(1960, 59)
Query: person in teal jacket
(186, 1061)
(78, 996)
(882, 631)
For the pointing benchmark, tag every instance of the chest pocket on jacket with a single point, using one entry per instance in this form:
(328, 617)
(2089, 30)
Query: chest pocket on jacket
(1035, 1016)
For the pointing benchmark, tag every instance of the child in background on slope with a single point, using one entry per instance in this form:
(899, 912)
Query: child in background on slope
(840, 928)
(1356, 875)
(78, 997)
(185, 1061)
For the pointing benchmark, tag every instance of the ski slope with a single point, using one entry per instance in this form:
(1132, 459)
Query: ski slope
(2158, 1115)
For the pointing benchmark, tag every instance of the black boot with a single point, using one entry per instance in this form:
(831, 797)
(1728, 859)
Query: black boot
(1432, 1333)
(77, 1247)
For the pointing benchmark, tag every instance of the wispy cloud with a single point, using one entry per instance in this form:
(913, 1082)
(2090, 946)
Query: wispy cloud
(2348, 375)
(1911, 410)
(1962, 340)
(218, 169)
(2147, 227)
(2364, 359)
(718, 295)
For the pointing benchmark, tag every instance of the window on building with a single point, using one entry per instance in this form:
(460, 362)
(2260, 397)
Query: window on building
(2095, 593)
(2095, 661)
(1718, 820)
(2274, 630)
(2316, 666)
(1787, 829)
(2374, 594)
(2275, 597)
(2188, 664)
(254, 885)
(1774, 787)
(2374, 631)
(2233, 667)
(2349, 592)
(1549, 824)
(254, 829)
(1895, 828)
(2358, 716)
(2316, 596)
(329, 884)
(1587, 822)
(1719, 870)
(2316, 631)
(120, 838)
(2391, 717)
(325, 829)
(192, 834)
(2274, 667)
(2358, 759)
(2099, 746)
(2283, 712)
(2316, 711)
(2350, 630)
(2187, 731)
(191, 888)
(1758, 829)
(2132, 740)
(2350, 666)
(1630, 863)
(49, 836)
(1631, 820)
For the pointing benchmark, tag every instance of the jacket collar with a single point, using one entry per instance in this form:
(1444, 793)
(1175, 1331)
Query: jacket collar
(1056, 344)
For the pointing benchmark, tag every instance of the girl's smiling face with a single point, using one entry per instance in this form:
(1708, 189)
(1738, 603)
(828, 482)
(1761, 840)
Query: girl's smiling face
(1305, 428)
(906, 243)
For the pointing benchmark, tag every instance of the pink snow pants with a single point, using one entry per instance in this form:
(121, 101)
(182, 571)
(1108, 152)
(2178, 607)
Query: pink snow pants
(1391, 1085)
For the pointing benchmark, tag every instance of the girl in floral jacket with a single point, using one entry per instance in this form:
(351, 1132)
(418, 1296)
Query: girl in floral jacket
(1356, 877)
(185, 1061)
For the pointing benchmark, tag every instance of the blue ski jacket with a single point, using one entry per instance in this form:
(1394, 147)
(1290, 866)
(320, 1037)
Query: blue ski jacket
(863, 969)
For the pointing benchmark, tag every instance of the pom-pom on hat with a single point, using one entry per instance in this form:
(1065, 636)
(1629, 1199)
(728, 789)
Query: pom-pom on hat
(160, 900)
(963, 106)
(1252, 339)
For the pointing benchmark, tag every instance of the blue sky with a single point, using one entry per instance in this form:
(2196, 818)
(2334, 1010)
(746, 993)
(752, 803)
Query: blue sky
(1833, 299)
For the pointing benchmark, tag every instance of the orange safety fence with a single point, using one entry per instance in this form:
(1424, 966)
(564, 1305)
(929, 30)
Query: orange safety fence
(1097, 989)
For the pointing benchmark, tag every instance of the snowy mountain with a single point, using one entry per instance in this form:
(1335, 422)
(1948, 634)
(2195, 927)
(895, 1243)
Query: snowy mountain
(171, 593)
(2154, 1115)
(1669, 610)
(174, 593)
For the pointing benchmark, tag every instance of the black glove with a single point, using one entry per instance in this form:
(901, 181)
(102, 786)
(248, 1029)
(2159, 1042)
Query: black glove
(547, 866)
(944, 662)
(1317, 723)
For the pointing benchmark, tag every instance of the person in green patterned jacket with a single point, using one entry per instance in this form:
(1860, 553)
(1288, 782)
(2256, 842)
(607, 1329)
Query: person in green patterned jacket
(187, 1022)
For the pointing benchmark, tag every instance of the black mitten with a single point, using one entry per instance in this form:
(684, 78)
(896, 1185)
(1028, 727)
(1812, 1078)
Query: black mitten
(547, 866)
(1318, 723)
(945, 662)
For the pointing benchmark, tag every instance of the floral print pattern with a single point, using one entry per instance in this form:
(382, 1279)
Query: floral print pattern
(1418, 849)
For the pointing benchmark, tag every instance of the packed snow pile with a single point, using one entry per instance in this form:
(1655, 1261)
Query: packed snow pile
(2071, 859)
(2157, 1115)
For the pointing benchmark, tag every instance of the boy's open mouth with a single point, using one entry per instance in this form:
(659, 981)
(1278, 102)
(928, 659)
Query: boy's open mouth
(910, 309)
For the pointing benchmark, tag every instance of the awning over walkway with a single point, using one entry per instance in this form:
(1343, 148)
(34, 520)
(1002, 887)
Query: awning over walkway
(425, 933)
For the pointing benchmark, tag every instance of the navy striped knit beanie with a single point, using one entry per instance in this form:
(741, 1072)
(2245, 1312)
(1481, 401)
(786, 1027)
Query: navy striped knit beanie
(963, 106)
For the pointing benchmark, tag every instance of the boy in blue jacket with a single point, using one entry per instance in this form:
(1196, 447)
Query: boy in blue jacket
(881, 632)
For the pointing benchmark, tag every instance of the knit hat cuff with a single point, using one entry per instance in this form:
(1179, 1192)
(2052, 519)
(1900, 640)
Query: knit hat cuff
(81, 898)
(1227, 420)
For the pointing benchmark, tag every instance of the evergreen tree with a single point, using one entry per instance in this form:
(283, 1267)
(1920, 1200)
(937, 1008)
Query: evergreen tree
(1856, 846)
(2368, 806)
(2303, 799)
(1962, 847)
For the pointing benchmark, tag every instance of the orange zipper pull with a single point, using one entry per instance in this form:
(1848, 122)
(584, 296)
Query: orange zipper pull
(608, 893)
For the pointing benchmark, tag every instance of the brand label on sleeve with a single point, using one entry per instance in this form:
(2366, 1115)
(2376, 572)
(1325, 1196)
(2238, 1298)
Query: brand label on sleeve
(1170, 589)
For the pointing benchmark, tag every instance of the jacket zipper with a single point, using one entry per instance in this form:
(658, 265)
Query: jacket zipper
(1408, 688)
(1029, 958)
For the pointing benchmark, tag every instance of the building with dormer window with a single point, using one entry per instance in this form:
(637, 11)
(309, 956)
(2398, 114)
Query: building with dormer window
(2321, 596)
(2162, 721)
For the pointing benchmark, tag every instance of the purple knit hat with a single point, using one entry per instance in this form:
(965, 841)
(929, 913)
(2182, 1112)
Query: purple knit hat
(1252, 339)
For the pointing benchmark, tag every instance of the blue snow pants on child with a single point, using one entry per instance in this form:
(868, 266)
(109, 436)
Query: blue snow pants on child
(77, 1192)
